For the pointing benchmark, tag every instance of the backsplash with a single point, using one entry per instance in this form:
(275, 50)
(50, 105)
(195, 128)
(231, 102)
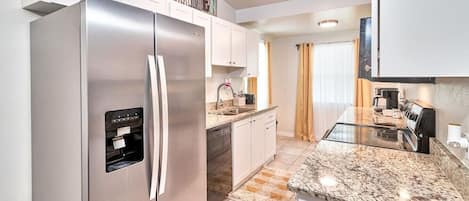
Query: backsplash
(451, 100)
(218, 77)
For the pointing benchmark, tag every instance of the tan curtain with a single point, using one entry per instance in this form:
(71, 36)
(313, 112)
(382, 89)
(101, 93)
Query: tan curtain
(304, 96)
(269, 69)
(252, 86)
(362, 86)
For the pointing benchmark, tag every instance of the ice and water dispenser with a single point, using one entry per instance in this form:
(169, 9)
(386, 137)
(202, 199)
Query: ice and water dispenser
(124, 138)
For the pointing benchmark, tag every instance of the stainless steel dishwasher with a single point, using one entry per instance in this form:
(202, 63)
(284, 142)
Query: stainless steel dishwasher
(219, 163)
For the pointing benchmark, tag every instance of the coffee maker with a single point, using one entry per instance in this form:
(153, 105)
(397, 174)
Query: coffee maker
(386, 98)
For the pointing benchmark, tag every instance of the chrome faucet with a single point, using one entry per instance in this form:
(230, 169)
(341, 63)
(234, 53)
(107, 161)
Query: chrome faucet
(219, 100)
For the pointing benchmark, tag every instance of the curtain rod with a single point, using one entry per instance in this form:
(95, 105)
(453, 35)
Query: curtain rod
(344, 41)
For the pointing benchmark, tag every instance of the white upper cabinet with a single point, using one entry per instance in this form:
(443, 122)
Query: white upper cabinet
(221, 42)
(252, 53)
(180, 12)
(162, 6)
(420, 38)
(205, 20)
(228, 44)
(270, 139)
(238, 46)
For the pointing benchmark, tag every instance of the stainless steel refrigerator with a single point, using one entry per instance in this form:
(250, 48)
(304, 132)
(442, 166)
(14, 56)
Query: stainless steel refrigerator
(118, 105)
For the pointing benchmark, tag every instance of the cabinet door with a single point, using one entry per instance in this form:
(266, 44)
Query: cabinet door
(205, 20)
(257, 142)
(422, 38)
(270, 140)
(180, 12)
(238, 46)
(162, 6)
(252, 57)
(270, 135)
(221, 42)
(241, 135)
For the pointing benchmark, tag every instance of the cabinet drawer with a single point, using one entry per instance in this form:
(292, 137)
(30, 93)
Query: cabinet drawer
(270, 124)
(241, 122)
(270, 116)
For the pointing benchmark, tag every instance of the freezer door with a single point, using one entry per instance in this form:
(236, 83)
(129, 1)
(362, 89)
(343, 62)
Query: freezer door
(181, 60)
(119, 41)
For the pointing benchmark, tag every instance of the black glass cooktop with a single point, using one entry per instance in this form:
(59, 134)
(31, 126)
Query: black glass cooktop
(390, 138)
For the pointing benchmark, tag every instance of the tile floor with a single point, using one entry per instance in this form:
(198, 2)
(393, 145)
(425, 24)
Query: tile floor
(270, 183)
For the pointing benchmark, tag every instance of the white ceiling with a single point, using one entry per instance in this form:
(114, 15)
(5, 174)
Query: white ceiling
(240, 4)
(349, 19)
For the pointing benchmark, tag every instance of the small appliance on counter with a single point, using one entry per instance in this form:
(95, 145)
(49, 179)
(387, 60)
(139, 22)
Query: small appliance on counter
(386, 98)
(239, 100)
(250, 99)
(420, 121)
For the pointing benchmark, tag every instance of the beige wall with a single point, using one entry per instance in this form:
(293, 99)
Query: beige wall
(284, 72)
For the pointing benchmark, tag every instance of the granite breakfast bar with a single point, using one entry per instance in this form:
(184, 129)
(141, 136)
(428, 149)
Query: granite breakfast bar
(351, 172)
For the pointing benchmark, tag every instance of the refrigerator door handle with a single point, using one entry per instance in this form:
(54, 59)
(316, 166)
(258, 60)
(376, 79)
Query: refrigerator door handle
(164, 113)
(156, 126)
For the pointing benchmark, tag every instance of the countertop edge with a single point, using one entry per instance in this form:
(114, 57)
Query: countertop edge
(456, 171)
(242, 116)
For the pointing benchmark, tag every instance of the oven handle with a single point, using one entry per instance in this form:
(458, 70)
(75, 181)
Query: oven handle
(409, 141)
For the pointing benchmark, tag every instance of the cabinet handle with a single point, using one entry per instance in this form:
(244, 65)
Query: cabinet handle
(234, 62)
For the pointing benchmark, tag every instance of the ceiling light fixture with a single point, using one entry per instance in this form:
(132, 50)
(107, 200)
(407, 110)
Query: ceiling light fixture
(328, 23)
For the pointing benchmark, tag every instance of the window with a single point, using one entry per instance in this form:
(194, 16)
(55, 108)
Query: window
(333, 83)
(262, 77)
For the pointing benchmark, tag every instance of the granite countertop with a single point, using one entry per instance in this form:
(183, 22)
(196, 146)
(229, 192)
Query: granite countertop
(214, 120)
(367, 117)
(340, 171)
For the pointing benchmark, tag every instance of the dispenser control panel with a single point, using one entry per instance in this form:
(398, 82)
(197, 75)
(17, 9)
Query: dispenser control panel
(124, 138)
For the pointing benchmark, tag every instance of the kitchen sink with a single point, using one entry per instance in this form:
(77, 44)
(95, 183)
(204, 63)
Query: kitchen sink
(234, 111)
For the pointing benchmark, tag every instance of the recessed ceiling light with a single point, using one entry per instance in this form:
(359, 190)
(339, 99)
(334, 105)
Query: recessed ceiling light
(328, 23)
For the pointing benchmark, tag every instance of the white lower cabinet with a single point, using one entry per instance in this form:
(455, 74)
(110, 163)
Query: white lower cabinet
(257, 141)
(241, 148)
(254, 143)
(270, 138)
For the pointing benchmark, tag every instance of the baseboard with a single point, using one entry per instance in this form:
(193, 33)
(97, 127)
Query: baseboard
(285, 133)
